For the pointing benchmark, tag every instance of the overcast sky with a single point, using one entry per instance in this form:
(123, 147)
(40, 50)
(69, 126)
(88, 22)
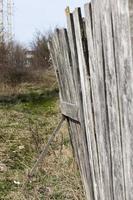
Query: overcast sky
(40, 15)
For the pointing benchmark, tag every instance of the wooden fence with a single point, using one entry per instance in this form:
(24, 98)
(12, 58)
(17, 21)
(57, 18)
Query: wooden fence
(131, 20)
(93, 64)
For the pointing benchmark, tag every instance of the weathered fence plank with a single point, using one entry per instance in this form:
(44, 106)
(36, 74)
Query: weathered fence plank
(93, 64)
(112, 103)
(87, 104)
(75, 66)
(131, 21)
(77, 135)
(81, 145)
(124, 70)
(94, 42)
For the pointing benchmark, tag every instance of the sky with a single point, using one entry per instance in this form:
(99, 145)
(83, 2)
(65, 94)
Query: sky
(31, 16)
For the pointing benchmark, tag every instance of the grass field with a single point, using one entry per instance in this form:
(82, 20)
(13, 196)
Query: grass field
(28, 115)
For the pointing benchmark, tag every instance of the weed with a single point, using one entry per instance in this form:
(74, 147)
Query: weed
(25, 126)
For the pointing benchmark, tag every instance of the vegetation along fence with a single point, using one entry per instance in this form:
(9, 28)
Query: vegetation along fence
(93, 63)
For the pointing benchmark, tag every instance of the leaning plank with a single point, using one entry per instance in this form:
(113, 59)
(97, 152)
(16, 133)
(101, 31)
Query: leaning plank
(57, 64)
(57, 61)
(80, 136)
(85, 172)
(87, 104)
(53, 55)
(66, 65)
(77, 133)
(67, 84)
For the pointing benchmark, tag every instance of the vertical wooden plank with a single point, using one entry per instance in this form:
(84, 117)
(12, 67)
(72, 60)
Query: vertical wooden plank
(112, 103)
(80, 136)
(64, 70)
(76, 133)
(54, 49)
(87, 104)
(74, 56)
(67, 65)
(53, 55)
(93, 32)
(103, 72)
(67, 93)
(76, 77)
(58, 70)
(131, 21)
(124, 70)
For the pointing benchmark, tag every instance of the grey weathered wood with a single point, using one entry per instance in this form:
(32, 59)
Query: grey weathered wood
(70, 110)
(87, 106)
(93, 63)
(124, 70)
(93, 31)
(85, 172)
(131, 21)
(54, 49)
(64, 95)
(75, 129)
(112, 103)
(80, 137)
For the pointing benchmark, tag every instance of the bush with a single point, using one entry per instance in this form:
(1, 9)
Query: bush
(15, 65)
(41, 55)
(17, 55)
(12, 62)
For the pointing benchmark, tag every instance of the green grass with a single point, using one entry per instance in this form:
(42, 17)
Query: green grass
(26, 121)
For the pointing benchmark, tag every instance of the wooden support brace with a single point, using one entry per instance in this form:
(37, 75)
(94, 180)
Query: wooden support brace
(70, 110)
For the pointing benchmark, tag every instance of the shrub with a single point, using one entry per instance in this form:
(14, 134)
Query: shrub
(41, 55)
(15, 65)
(12, 62)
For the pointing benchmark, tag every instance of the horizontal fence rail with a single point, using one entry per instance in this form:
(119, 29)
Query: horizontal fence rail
(93, 64)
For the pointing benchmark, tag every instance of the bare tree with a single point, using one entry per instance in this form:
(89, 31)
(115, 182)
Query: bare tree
(17, 55)
(40, 52)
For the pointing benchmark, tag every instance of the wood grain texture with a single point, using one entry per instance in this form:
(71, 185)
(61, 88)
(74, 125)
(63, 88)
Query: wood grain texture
(70, 110)
(123, 59)
(93, 64)
(93, 31)
(86, 175)
(112, 103)
(69, 93)
(87, 103)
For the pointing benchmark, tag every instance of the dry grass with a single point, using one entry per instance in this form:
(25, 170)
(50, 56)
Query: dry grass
(24, 128)
(44, 81)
